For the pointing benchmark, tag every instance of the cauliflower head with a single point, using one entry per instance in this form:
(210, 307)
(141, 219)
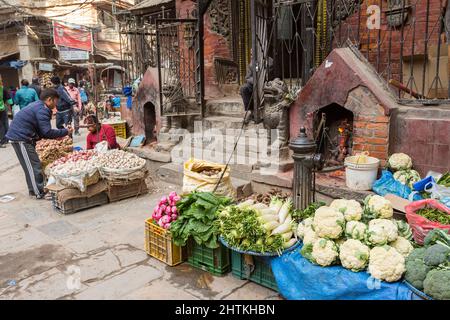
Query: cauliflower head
(324, 252)
(355, 230)
(351, 209)
(309, 236)
(407, 177)
(399, 161)
(328, 223)
(403, 246)
(376, 206)
(381, 231)
(354, 255)
(386, 263)
(302, 227)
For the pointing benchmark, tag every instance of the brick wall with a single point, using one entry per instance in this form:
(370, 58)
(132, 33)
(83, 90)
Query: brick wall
(369, 38)
(370, 125)
(425, 136)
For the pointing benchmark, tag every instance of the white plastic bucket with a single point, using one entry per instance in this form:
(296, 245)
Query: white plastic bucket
(361, 176)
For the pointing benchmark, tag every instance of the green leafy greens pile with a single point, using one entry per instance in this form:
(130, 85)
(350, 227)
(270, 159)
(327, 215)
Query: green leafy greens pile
(241, 228)
(197, 218)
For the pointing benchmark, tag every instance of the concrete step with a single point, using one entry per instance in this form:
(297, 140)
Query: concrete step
(229, 106)
(173, 173)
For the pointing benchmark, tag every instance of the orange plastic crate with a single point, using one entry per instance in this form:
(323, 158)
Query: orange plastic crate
(159, 244)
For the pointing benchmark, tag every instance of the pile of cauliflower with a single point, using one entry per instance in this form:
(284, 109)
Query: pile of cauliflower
(401, 164)
(358, 237)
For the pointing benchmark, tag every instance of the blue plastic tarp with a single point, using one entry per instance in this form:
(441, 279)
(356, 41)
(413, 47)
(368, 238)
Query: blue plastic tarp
(298, 279)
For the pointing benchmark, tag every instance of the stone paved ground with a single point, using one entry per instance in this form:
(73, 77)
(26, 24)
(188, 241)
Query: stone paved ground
(93, 254)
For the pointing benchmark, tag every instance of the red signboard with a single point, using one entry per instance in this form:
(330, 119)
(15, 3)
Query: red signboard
(72, 36)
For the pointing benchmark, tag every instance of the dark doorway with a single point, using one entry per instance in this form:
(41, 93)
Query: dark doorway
(150, 122)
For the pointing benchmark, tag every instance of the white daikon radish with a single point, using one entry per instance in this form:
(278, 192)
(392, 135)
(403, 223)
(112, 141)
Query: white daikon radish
(289, 244)
(288, 219)
(245, 204)
(269, 211)
(268, 218)
(269, 226)
(287, 236)
(285, 227)
(276, 204)
(258, 206)
(284, 211)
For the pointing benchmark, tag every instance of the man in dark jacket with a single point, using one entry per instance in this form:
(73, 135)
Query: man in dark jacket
(35, 85)
(65, 104)
(29, 125)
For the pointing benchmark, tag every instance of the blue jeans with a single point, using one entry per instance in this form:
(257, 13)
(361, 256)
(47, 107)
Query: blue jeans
(63, 118)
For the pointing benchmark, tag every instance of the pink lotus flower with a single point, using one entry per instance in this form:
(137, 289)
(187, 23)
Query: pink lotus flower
(158, 216)
(174, 217)
(168, 210)
(161, 223)
(167, 226)
(174, 209)
(163, 207)
(176, 198)
(163, 201)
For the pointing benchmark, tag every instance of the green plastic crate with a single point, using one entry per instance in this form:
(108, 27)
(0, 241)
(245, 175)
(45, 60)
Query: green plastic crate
(262, 273)
(215, 261)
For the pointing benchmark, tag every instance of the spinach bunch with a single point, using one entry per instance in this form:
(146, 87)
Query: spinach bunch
(198, 212)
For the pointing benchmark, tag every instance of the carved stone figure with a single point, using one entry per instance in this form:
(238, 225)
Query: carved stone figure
(220, 16)
(276, 110)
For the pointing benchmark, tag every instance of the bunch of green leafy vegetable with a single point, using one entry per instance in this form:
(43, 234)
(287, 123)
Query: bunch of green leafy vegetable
(241, 228)
(300, 215)
(197, 218)
(434, 215)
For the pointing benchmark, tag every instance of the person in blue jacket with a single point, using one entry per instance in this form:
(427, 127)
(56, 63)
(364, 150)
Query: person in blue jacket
(65, 105)
(25, 95)
(29, 125)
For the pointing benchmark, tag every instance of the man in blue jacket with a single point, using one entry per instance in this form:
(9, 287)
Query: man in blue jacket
(25, 95)
(65, 104)
(29, 125)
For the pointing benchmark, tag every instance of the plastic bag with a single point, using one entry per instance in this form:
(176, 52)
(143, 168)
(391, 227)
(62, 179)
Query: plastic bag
(299, 279)
(420, 225)
(387, 184)
(193, 179)
(101, 147)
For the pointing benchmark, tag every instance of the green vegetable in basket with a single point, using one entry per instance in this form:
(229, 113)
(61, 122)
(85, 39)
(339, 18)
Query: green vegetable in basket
(300, 215)
(197, 218)
(243, 229)
(434, 215)
(444, 180)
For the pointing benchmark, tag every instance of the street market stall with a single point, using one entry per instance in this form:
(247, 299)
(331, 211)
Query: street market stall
(84, 179)
(345, 250)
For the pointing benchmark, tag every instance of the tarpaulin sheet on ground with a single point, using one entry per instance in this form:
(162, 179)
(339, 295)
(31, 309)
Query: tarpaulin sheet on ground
(298, 279)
